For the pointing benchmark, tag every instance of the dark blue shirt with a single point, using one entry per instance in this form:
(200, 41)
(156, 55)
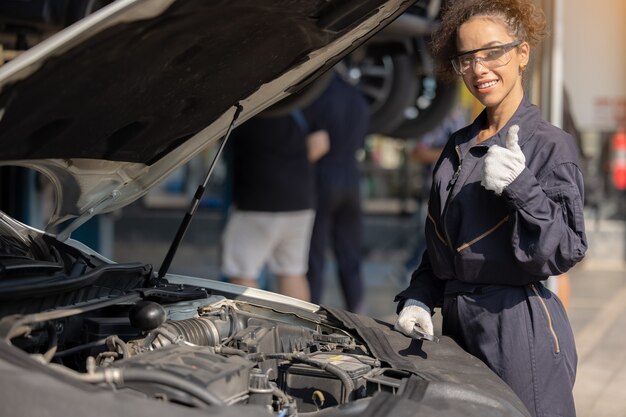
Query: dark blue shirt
(271, 171)
(342, 111)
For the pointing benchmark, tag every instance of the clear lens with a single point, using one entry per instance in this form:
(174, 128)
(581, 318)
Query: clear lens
(456, 64)
(490, 58)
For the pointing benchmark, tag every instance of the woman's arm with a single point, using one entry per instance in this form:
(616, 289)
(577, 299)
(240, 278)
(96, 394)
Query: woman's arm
(424, 286)
(548, 232)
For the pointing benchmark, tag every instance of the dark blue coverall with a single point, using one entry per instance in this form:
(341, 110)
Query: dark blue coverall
(342, 111)
(486, 255)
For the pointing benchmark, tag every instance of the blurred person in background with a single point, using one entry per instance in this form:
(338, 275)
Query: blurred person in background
(273, 202)
(341, 111)
(505, 212)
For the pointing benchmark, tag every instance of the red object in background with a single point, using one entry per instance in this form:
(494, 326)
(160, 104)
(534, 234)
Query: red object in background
(618, 166)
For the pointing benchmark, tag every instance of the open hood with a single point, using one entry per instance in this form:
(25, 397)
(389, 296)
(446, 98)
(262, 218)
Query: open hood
(111, 105)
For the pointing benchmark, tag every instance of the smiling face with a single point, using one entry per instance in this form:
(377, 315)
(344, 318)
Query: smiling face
(499, 88)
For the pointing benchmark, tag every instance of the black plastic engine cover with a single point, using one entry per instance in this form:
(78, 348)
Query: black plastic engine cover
(225, 377)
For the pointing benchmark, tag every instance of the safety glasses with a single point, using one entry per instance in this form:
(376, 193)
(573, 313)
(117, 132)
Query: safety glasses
(490, 58)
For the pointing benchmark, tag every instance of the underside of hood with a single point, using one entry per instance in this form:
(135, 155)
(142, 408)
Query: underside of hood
(111, 105)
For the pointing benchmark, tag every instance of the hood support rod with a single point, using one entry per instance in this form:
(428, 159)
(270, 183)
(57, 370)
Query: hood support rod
(195, 202)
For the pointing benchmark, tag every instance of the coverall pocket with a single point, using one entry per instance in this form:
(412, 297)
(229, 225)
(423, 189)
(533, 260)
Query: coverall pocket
(537, 298)
(571, 205)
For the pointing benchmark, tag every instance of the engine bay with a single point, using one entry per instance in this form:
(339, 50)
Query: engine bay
(203, 350)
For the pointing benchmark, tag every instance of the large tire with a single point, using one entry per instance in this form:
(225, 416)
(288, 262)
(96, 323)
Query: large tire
(389, 84)
(430, 113)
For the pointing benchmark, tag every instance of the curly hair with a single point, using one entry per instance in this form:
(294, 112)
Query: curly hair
(523, 19)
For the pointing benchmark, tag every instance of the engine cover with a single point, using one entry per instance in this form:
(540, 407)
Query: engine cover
(226, 377)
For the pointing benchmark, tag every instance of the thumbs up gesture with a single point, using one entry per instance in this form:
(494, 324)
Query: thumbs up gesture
(503, 165)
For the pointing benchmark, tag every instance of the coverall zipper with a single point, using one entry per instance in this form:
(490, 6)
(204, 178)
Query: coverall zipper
(483, 235)
(451, 184)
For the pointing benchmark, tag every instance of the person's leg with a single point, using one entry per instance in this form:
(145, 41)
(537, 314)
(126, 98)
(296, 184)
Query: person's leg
(246, 244)
(556, 352)
(246, 282)
(317, 249)
(347, 231)
(289, 260)
(296, 286)
(524, 337)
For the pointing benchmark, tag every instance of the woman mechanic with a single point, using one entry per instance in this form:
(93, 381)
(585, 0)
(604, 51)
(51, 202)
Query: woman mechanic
(505, 212)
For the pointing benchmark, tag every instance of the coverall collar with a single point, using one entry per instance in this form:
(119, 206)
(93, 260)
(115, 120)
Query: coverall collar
(527, 116)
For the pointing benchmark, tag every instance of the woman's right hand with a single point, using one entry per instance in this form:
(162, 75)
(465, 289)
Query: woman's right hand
(414, 313)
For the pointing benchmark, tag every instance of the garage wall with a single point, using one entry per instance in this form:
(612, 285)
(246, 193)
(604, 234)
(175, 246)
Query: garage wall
(595, 61)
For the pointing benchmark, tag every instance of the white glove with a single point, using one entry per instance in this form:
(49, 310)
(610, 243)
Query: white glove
(503, 165)
(414, 313)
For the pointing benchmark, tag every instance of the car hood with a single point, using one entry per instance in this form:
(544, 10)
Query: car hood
(111, 105)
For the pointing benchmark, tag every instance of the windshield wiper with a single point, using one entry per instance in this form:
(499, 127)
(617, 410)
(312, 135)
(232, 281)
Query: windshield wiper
(195, 202)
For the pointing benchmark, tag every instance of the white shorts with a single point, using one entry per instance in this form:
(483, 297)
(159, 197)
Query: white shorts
(252, 238)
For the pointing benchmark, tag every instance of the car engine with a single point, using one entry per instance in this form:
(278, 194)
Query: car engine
(182, 345)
